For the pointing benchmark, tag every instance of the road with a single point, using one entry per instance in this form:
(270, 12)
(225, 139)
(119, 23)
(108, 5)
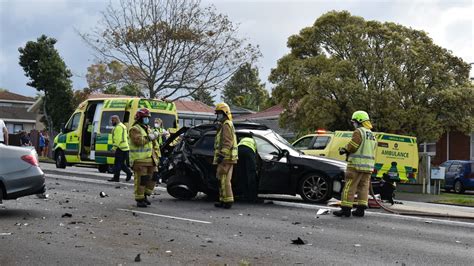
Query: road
(112, 231)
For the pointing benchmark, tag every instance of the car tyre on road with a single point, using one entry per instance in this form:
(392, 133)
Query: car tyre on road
(458, 187)
(181, 187)
(315, 188)
(60, 159)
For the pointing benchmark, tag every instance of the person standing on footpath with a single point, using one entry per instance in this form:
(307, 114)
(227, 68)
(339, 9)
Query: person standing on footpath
(121, 148)
(144, 157)
(3, 133)
(361, 160)
(225, 155)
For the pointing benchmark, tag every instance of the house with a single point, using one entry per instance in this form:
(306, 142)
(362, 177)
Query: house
(268, 117)
(14, 112)
(191, 113)
(453, 146)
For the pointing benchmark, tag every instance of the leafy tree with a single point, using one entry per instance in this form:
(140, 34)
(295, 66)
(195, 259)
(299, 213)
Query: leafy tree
(342, 63)
(204, 96)
(173, 47)
(245, 90)
(48, 74)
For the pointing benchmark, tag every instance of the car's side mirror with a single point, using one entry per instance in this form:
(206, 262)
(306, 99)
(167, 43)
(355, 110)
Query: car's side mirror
(285, 153)
(63, 128)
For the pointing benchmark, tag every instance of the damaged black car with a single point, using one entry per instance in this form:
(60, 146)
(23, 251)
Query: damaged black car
(188, 155)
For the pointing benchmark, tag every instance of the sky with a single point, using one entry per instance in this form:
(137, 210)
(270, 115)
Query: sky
(266, 23)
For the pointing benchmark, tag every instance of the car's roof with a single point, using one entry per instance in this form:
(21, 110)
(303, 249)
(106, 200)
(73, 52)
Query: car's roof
(237, 126)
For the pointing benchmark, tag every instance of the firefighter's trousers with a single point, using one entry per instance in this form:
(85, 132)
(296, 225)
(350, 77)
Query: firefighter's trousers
(356, 183)
(143, 181)
(246, 174)
(224, 174)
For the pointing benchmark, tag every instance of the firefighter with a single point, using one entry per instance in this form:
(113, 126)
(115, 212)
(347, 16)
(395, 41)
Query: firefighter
(247, 168)
(144, 156)
(361, 160)
(121, 148)
(225, 155)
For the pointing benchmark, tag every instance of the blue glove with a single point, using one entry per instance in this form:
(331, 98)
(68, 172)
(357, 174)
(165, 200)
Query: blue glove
(220, 159)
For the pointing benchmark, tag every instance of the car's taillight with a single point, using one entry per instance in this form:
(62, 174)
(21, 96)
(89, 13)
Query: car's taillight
(31, 159)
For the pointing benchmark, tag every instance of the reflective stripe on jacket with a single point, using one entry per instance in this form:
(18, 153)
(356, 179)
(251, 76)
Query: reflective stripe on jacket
(140, 152)
(248, 142)
(363, 159)
(160, 138)
(226, 143)
(120, 137)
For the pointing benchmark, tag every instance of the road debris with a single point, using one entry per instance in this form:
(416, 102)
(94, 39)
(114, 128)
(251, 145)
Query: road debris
(5, 234)
(68, 215)
(322, 212)
(357, 245)
(298, 241)
(103, 195)
(137, 258)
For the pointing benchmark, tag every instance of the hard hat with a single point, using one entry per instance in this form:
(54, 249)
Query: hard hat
(360, 116)
(143, 112)
(225, 109)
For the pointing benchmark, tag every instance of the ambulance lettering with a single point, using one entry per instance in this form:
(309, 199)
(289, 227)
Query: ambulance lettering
(395, 153)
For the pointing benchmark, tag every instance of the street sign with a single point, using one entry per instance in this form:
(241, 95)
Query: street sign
(437, 173)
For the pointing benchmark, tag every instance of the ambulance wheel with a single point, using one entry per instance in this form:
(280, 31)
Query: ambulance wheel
(103, 168)
(315, 188)
(110, 169)
(60, 159)
(458, 187)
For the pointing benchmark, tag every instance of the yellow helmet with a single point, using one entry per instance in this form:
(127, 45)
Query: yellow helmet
(224, 108)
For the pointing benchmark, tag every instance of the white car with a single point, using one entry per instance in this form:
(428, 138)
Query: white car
(20, 174)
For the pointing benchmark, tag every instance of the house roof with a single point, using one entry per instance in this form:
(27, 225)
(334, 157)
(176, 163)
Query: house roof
(16, 113)
(10, 96)
(239, 111)
(272, 112)
(193, 107)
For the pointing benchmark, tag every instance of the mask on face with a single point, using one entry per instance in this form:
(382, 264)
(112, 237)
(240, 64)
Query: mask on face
(355, 124)
(157, 125)
(220, 116)
(146, 120)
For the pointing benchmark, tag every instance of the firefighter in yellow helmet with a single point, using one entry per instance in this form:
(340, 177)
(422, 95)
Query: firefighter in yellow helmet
(361, 160)
(225, 155)
(144, 156)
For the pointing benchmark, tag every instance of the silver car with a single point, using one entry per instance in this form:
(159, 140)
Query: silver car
(20, 174)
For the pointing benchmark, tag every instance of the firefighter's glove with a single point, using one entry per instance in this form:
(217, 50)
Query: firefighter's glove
(343, 151)
(152, 136)
(220, 159)
(114, 148)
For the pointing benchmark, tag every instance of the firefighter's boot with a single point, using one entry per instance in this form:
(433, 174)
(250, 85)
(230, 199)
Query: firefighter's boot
(345, 211)
(141, 204)
(146, 200)
(359, 211)
(219, 204)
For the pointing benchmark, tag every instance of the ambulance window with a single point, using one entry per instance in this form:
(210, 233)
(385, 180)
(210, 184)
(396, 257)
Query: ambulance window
(321, 142)
(303, 143)
(74, 122)
(169, 120)
(106, 120)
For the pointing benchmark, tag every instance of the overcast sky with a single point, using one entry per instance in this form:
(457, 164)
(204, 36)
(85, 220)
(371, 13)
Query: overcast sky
(267, 23)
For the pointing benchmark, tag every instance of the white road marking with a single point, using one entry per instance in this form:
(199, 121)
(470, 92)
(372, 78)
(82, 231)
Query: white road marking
(166, 216)
(403, 217)
(94, 181)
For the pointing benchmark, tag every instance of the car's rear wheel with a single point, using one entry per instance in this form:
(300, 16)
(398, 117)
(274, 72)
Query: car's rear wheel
(181, 187)
(315, 188)
(458, 187)
(60, 159)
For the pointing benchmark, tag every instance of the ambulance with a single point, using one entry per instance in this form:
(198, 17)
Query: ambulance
(396, 156)
(86, 138)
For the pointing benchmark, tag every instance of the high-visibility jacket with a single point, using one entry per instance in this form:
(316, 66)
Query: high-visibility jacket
(160, 138)
(363, 159)
(141, 152)
(226, 144)
(120, 137)
(249, 142)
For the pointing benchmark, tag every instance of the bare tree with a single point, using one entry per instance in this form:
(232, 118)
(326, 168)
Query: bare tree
(175, 47)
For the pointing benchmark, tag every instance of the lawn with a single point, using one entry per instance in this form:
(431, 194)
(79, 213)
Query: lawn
(456, 199)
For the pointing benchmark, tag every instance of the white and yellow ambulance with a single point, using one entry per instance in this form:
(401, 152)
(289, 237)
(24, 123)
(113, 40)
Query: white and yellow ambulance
(86, 138)
(396, 156)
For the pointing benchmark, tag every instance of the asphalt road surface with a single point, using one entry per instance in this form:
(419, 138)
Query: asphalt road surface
(112, 231)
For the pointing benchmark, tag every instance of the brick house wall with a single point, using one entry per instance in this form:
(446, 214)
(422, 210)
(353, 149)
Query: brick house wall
(459, 147)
